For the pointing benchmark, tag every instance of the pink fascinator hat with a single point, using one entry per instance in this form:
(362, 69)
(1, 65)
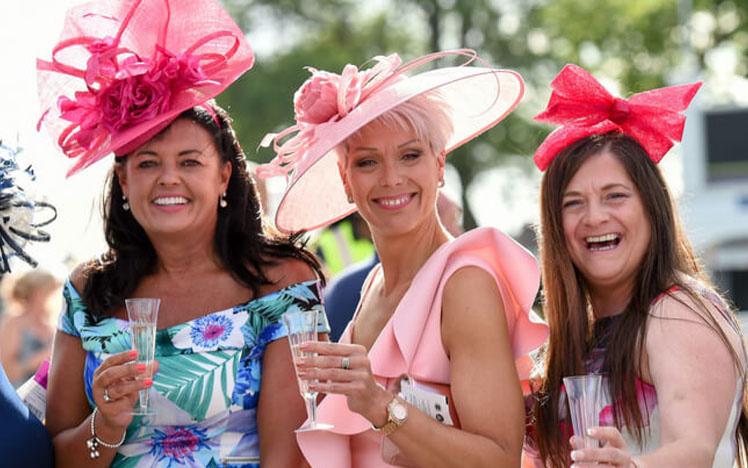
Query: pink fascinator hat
(123, 70)
(583, 107)
(331, 107)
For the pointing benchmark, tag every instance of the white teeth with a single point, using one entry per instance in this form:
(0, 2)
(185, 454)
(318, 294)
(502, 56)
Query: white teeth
(393, 202)
(604, 238)
(170, 201)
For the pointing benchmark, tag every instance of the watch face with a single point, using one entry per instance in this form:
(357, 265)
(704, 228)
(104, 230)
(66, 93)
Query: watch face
(399, 412)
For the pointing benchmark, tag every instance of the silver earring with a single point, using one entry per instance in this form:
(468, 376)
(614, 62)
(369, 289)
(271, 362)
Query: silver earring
(222, 202)
(441, 183)
(125, 205)
(350, 199)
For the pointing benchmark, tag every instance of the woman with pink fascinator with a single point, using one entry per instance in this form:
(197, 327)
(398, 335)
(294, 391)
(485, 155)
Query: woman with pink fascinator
(182, 221)
(453, 315)
(625, 295)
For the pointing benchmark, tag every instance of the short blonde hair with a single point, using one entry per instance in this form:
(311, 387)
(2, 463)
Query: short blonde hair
(427, 114)
(28, 283)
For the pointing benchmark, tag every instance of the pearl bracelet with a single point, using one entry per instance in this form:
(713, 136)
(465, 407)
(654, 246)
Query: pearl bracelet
(94, 442)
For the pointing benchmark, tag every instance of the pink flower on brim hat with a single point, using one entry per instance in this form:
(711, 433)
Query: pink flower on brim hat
(135, 65)
(477, 97)
(316, 101)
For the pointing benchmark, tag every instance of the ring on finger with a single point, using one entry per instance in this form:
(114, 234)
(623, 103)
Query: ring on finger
(107, 397)
(345, 363)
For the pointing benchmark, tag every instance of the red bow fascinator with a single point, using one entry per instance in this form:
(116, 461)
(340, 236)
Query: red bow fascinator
(123, 70)
(583, 107)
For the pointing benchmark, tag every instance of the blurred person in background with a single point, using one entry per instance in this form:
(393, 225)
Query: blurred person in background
(625, 295)
(344, 244)
(182, 223)
(24, 441)
(28, 325)
(451, 313)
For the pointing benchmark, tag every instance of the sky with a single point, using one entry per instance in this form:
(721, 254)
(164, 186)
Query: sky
(29, 29)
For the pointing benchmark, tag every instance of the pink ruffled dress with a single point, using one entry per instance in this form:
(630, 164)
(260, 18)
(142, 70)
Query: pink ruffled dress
(410, 343)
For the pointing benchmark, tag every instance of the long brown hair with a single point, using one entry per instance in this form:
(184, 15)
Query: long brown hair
(668, 260)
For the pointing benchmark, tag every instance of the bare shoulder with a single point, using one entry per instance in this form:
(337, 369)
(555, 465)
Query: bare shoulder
(471, 304)
(468, 284)
(690, 323)
(288, 271)
(698, 309)
(79, 275)
(10, 323)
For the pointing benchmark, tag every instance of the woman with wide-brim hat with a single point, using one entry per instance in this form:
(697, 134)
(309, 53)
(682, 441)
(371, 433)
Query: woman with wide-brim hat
(452, 314)
(182, 222)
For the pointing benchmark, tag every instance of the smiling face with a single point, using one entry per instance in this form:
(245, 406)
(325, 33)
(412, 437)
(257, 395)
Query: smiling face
(392, 176)
(605, 225)
(173, 182)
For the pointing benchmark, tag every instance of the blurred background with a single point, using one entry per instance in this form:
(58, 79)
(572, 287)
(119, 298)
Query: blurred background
(631, 46)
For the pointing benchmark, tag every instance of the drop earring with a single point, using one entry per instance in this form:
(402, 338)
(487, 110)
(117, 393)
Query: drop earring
(125, 205)
(222, 201)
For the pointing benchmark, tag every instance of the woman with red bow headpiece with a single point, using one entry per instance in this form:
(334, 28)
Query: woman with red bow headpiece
(624, 293)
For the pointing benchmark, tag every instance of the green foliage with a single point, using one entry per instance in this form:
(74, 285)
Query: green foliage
(636, 43)
(262, 100)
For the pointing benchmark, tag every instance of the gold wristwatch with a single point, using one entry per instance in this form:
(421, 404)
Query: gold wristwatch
(397, 414)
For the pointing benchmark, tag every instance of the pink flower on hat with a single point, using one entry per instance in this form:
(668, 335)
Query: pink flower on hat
(102, 91)
(325, 98)
(316, 101)
(137, 92)
(132, 100)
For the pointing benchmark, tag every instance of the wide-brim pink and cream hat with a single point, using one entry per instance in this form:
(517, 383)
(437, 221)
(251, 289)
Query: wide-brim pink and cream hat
(123, 70)
(329, 108)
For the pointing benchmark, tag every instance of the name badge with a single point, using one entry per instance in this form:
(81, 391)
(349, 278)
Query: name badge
(426, 399)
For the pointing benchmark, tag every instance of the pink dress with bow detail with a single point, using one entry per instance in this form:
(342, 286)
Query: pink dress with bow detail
(410, 343)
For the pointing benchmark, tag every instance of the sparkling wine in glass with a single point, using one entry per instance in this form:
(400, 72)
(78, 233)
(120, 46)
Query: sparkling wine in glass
(143, 316)
(302, 327)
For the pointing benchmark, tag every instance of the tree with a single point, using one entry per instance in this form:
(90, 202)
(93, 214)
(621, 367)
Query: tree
(636, 44)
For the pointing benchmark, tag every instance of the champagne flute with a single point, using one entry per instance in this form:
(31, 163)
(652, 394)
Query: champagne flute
(584, 393)
(143, 316)
(302, 327)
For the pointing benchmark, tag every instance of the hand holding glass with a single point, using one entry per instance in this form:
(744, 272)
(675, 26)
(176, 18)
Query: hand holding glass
(143, 315)
(585, 403)
(302, 327)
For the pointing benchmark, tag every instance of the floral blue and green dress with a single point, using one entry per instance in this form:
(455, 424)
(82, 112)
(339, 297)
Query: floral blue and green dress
(206, 391)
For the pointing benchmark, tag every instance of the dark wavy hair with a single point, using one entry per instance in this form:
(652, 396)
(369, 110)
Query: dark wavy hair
(243, 244)
(566, 303)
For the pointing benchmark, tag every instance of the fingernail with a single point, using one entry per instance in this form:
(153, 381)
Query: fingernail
(133, 353)
(147, 382)
(575, 455)
(140, 367)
